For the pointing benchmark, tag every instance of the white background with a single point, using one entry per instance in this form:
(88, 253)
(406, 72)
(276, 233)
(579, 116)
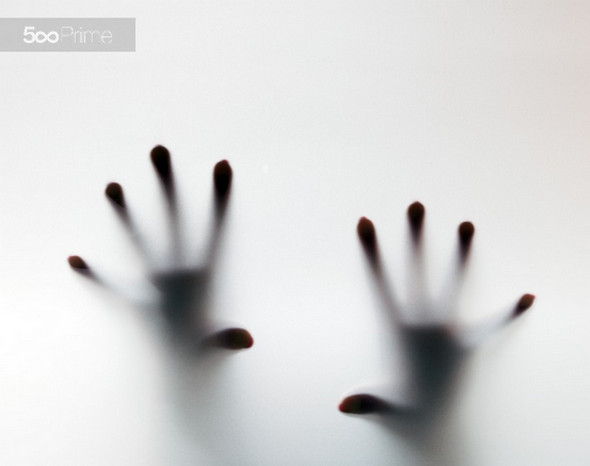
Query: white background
(327, 110)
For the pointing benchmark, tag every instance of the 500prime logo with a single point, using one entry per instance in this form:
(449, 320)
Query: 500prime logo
(67, 34)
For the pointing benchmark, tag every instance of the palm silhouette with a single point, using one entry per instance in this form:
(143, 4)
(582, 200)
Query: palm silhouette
(434, 351)
(181, 290)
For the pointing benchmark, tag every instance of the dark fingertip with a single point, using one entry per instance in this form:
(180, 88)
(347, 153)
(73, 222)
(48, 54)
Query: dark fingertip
(416, 216)
(361, 404)
(524, 303)
(366, 232)
(114, 192)
(222, 178)
(76, 262)
(466, 231)
(161, 160)
(368, 237)
(234, 339)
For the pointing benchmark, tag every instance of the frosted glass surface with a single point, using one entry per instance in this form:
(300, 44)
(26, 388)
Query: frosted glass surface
(327, 111)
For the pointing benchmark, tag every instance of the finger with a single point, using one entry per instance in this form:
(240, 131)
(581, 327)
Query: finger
(222, 181)
(465, 232)
(231, 338)
(456, 277)
(416, 213)
(523, 304)
(160, 157)
(81, 267)
(78, 264)
(114, 192)
(417, 283)
(477, 333)
(364, 404)
(368, 237)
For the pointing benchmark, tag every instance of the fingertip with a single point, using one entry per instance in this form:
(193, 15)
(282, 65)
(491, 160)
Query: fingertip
(361, 404)
(77, 263)
(524, 303)
(222, 177)
(234, 339)
(416, 213)
(466, 231)
(160, 157)
(366, 231)
(114, 191)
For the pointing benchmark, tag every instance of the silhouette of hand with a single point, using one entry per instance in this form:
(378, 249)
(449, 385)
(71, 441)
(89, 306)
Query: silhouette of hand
(181, 289)
(433, 350)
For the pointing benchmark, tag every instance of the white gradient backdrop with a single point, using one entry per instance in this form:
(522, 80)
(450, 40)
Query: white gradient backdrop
(327, 110)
